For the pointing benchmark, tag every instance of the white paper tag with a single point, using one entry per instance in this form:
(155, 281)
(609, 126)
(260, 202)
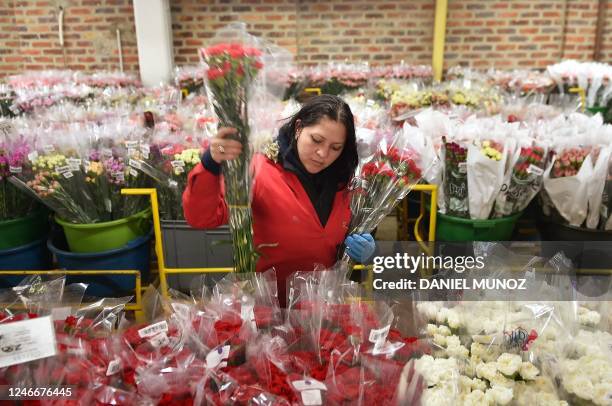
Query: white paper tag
(160, 340)
(178, 170)
(387, 348)
(120, 176)
(25, 341)
(370, 103)
(108, 205)
(113, 367)
(247, 313)
(15, 169)
(135, 164)
(462, 167)
(379, 335)
(15, 109)
(6, 128)
(535, 170)
(61, 313)
(172, 183)
(153, 329)
(62, 169)
(74, 163)
(312, 397)
(145, 149)
(67, 175)
(131, 152)
(107, 152)
(308, 384)
(33, 156)
(181, 309)
(131, 144)
(178, 164)
(218, 357)
(48, 148)
(76, 351)
(133, 172)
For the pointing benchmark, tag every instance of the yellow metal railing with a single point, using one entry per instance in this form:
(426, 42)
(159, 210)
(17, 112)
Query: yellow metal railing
(135, 305)
(159, 245)
(581, 92)
(315, 90)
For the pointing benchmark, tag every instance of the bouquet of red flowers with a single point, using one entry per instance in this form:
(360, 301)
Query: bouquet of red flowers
(381, 183)
(524, 181)
(231, 71)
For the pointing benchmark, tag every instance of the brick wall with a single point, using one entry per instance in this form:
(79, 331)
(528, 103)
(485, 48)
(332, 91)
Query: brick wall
(8, 44)
(89, 35)
(194, 23)
(384, 31)
(606, 49)
(480, 33)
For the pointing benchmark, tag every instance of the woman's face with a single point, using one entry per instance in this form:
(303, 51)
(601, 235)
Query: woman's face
(321, 144)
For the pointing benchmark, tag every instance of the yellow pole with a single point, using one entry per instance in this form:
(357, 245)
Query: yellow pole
(437, 61)
(582, 95)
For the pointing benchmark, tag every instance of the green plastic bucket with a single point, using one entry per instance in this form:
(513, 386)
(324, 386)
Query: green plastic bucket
(24, 230)
(110, 235)
(451, 228)
(598, 109)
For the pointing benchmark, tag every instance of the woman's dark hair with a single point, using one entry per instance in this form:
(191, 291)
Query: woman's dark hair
(337, 110)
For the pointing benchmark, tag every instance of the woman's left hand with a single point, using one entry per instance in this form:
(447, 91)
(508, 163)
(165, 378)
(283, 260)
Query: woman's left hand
(360, 247)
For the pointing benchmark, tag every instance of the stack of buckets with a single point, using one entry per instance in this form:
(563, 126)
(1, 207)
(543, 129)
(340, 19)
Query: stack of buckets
(23, 244)
(122, 244)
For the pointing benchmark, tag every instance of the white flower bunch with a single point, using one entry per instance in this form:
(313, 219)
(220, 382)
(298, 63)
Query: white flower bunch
(595, 343)
(442, 379)
(540, 391)
(588, 378)
(588, 317)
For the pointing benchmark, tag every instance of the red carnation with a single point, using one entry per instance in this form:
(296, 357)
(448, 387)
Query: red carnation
(215, 73)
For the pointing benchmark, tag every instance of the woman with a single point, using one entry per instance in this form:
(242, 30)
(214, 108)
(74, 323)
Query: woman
(300, 201)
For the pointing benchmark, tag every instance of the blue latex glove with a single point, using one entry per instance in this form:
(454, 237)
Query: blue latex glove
(360, 247)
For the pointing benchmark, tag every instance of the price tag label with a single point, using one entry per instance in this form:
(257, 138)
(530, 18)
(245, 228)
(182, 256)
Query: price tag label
(218, 357)
(135, 164)
(25, 341)
(113, 367)
(146, 150)
(15, 169)
(462, 167)
(153, 329)
(309, 384)
(311, 397)
(74, 163)
(535, 170)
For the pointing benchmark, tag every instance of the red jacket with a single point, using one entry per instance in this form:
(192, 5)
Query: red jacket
(282, 214)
